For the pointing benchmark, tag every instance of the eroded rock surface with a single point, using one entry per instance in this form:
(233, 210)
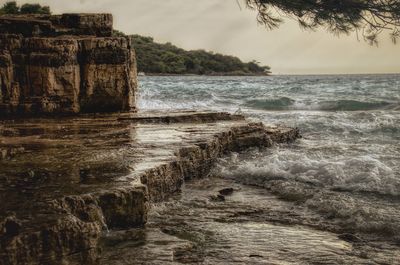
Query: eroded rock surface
(64, 64)
(73, 178)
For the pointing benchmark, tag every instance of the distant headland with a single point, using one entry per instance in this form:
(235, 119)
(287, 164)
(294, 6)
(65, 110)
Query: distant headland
(167, 59)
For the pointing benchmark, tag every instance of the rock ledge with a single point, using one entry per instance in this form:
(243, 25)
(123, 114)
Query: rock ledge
(73, 178)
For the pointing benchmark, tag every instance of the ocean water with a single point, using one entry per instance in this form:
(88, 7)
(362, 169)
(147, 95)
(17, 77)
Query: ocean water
(342, 178)
(350, 124)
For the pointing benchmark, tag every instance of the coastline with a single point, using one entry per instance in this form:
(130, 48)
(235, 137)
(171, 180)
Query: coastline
(86, 198)
(215, 74)
(271, 74)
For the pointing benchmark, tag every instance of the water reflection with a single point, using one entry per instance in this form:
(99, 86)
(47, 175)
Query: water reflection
(250, 226)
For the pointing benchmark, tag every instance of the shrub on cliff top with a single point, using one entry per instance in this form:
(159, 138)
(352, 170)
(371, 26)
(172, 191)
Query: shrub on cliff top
(13, 9)
(10, 8)
(34, 9)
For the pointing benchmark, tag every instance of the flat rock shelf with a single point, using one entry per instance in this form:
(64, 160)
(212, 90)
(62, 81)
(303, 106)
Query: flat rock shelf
(65, 181)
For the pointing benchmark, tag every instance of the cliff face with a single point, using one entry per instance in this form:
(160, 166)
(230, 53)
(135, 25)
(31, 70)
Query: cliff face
(64, 64)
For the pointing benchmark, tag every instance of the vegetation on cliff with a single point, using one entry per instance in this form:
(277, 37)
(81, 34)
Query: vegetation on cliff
(153, 57)
(158, 58)
(13, 8)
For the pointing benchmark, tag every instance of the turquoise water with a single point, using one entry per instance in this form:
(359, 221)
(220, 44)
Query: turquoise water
(343, 176)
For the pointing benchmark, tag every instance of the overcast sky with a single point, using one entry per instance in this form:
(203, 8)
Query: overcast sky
(222, 26)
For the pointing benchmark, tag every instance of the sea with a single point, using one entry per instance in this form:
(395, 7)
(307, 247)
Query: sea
(331, 197)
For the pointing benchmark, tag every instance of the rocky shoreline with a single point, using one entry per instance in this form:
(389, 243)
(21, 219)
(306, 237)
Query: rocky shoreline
(56, 210)
(65, 179)
(211, 74)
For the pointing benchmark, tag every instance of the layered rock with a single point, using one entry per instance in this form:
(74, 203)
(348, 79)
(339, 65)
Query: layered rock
(64, 64)
(72, 178)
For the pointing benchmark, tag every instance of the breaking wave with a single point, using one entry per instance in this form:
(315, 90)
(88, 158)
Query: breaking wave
(347, 166)
(271, 104)
(354, 105)
(345, 190)
(285, 103)
(362, 173)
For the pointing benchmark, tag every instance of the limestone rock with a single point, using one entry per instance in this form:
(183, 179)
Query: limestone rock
(64, 64)
(64, 182)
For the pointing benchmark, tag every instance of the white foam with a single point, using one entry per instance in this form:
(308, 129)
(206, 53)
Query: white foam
(358, 173)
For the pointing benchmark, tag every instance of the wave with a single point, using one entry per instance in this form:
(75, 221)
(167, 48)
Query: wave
(285, 103)
(357, 214)
(362, 173)
(270, 104)
(153, 104)
(354, 105)
(334, 189)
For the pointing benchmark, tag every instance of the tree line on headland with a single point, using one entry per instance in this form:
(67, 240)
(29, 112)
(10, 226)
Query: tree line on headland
(157, 58)
(166, 58)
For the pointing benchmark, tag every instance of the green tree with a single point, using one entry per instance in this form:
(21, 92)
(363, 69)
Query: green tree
(370, 17)
(166, 58)
(174, 62)
(10, 8)
(34, 9)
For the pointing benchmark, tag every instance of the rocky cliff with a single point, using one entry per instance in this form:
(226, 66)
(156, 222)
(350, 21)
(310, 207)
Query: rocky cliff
(64, 64)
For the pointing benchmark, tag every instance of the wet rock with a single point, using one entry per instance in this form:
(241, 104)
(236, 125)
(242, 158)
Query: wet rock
(56, 239)
(189, 254)
(73, 224)
(76, 177)
(12, 227)
(9, 152)
(281, 134)
(350, 238)
(226, 191)
(189, 117)
(64, 64)
(125, 207)
(217, 198)
(291, 191)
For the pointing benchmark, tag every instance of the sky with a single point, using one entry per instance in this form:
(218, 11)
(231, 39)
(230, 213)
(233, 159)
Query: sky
(226, 26)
